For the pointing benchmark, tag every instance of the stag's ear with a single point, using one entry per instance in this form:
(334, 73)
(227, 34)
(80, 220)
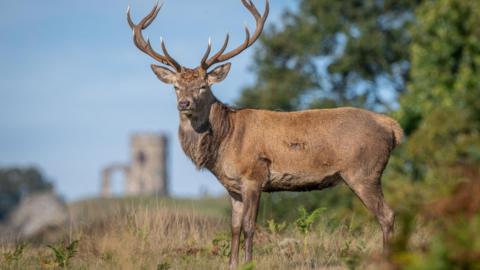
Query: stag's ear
(164, 74)
(219, 73)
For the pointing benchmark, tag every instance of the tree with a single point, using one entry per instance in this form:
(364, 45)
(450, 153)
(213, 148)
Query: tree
(333, 53)
(16, 183)
(441, 116)
(441, 111)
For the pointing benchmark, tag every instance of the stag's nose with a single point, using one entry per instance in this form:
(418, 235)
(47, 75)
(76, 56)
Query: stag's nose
(184, 105)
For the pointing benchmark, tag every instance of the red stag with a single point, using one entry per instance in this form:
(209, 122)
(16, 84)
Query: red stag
(253, 151)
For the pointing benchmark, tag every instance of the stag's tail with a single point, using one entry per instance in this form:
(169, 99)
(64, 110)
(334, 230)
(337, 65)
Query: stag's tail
(394, 126)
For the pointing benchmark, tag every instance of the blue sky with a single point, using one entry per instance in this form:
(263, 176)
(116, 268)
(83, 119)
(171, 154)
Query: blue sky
(73, 87)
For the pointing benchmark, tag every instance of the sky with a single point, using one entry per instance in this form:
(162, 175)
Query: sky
(73, 87)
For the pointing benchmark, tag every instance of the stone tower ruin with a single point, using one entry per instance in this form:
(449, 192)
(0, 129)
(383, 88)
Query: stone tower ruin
(147, 172)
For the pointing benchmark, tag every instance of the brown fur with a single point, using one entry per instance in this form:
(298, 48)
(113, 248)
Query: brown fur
(192, 74)
(393, 125)
(290, 143)
(254, 151)
(202, 148)
(251, 151)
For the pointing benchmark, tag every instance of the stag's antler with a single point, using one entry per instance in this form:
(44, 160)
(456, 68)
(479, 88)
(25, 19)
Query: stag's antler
(249, 40)
(145, 46)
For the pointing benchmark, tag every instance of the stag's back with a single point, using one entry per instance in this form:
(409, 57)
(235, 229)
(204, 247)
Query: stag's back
(315, 143)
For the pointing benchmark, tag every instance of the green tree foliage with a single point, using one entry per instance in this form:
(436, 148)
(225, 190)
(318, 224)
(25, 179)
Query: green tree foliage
(333, 53)
(16, 183)
(441, 116)
(441, 111)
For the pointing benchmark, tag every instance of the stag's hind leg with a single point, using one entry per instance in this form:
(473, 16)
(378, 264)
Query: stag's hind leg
(370, 193)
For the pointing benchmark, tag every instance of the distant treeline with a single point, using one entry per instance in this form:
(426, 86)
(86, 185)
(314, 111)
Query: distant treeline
(16, 183)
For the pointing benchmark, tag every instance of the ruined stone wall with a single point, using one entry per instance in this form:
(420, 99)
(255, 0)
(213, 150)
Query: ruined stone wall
(147, 172)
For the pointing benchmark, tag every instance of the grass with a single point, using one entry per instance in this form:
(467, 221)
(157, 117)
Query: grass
(151, 233)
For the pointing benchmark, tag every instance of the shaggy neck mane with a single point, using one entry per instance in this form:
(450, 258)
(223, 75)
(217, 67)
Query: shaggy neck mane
(202, 143)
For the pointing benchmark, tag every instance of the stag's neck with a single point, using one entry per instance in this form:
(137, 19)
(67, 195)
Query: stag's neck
(202, 141)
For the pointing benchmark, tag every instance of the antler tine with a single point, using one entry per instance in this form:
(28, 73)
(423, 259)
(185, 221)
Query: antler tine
(249, 40)
(258, 18)
(145, 22)
(145, 46)
(224, 47)
(129, 18)
(206, 64)
(170, 59)
(207, 53)
(251, 7)
(157, 9)
(235, 52)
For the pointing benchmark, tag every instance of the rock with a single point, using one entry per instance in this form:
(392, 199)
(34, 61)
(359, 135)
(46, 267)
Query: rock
(36, 215)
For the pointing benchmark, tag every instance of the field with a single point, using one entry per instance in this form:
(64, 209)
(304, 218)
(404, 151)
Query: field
(153, 233)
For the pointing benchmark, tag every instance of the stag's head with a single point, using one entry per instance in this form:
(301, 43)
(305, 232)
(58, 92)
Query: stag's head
(193, 85)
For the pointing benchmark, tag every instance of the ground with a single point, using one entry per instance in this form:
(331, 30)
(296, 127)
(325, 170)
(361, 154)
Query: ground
(155, 233)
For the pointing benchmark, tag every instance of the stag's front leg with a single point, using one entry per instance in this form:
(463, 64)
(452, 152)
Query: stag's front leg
(251, 191)
(237, 215)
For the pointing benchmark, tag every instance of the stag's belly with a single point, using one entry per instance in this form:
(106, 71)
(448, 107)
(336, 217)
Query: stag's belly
(301, 167)
(291, 167)
(300, 181)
